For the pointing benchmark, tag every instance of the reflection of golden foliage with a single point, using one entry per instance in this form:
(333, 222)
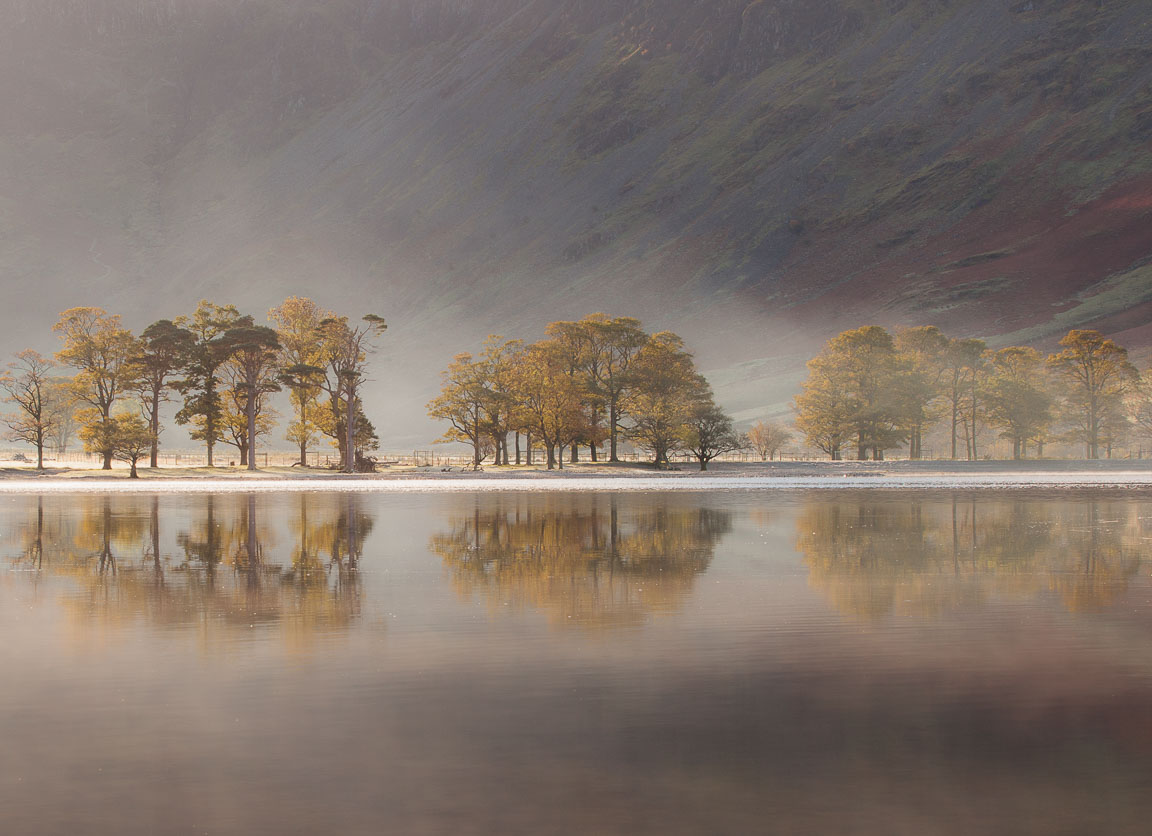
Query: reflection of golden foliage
(880, 557)
(218, 583)
(591, 561)
(762, 517)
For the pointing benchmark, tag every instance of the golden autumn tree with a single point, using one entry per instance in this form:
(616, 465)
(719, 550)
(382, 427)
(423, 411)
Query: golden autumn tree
(131, 439)
(548, 398)
(924, 348)
(824, 408)
(1139, 404)
(857, 387)
(602, 349)
(615, 343)
(962, 367)
(297, 322)
(583, 355)
(101, 351)
(1016, 399)
(1096, 375)
(663, 388)
(462, 402)
(498, 363)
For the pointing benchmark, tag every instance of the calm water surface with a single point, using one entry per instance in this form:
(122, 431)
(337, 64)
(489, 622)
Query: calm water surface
(737, 662)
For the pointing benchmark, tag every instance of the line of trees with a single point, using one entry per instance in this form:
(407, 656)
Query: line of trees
(588, 384)
(222, 366)
(870, 391)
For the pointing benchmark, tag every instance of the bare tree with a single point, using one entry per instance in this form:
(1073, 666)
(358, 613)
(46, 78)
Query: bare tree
(28, 385)
(768, 439)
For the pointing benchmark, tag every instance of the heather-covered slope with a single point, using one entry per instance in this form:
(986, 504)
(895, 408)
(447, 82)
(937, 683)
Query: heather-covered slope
(756, 175)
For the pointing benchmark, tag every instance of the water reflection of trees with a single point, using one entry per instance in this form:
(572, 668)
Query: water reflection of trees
(880, 557)
(591, 561)
(203, 565)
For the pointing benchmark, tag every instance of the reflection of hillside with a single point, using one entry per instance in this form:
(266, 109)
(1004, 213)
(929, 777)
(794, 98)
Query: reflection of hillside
(875, 558)
(218, 580)
(587, 560)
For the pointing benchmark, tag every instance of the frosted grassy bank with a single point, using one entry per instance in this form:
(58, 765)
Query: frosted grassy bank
(575, 481)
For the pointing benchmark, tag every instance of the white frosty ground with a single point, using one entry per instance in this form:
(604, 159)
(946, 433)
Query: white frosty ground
(982, 481)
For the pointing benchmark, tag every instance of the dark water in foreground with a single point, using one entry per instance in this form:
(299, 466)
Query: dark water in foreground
(850, 663)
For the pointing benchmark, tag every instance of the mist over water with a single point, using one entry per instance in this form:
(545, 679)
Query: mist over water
(847, 661)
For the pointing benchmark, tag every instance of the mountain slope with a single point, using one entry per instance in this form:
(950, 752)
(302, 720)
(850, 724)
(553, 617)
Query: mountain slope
(756, 175)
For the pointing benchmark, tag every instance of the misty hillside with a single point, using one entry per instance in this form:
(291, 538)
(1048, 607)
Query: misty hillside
(756, 175)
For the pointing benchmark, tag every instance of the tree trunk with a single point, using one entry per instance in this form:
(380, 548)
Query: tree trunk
(517, 447)
(592, 452)
(861, 447)
(304, 429)
(154, 453)
(955, 416)
(210, 462)
(703, 463)
(107, 460)
(575, 453)
(132, 474)
(613, 419)
(1093, 429)
(551, 455)
(975, 452)
(350, 432)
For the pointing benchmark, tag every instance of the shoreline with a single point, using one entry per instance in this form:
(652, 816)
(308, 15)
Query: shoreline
(757, 476)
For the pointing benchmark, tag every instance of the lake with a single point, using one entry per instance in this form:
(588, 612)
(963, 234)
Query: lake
(849, 662)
